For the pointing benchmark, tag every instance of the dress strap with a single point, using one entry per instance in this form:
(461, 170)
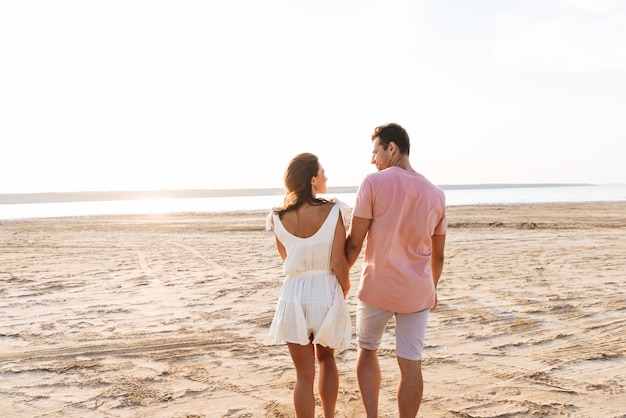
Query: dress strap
(268, 221)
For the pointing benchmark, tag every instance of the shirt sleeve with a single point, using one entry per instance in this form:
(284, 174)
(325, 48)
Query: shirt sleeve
(442, 226)
(363, 206)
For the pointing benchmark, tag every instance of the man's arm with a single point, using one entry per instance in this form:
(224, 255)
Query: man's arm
(356, 237)
(436, 260)
(437, 257)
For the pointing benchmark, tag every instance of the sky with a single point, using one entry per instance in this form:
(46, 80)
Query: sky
(152, 95)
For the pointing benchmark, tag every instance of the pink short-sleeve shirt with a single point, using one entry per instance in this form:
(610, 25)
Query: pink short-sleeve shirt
(406, 211)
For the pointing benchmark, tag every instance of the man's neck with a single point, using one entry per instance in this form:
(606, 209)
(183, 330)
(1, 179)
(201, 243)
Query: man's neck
(402, 162)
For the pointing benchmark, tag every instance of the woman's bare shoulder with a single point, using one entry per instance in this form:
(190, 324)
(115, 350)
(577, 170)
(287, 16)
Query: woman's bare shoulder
(326, 207)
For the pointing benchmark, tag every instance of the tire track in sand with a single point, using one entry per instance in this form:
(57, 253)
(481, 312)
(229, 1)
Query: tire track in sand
(149, 346)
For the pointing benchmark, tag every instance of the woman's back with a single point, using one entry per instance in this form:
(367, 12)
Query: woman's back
(307, 236)
(305, 221)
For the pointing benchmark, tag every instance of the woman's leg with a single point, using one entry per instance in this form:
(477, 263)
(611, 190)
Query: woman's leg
(329, 379)
(303, 357)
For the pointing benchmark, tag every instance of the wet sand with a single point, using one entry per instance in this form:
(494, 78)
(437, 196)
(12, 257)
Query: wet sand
(164, 316)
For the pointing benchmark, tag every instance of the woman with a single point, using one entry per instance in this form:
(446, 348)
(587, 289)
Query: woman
(311, 314)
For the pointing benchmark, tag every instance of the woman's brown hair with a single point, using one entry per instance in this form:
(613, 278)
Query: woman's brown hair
(300, 170)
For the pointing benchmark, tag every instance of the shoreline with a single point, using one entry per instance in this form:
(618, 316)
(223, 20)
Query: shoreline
(165, 316)
(242, 204)
(572, 214)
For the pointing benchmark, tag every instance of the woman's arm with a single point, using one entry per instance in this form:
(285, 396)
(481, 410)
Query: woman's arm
(281, 248)
(338, 261)
(279, 245)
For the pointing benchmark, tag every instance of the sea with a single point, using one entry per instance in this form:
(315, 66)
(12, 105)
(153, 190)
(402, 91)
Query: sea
(44, 205)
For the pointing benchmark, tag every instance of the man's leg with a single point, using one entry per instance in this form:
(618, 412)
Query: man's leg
(410, 388)
(410, 334)
(368, 374)
(370, 325)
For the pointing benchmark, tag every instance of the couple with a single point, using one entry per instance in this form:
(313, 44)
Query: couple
(403, 217)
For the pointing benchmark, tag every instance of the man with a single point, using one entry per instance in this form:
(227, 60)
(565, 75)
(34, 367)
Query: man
(403, 217)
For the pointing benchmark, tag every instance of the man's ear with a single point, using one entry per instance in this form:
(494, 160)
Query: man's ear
(392, 146)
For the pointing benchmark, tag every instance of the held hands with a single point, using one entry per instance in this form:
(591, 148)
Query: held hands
(345, 284)
(345, 287)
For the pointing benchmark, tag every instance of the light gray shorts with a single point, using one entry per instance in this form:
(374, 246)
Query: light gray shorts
(410, 330)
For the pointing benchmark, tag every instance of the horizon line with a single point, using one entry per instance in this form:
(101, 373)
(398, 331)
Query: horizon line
(96, 195)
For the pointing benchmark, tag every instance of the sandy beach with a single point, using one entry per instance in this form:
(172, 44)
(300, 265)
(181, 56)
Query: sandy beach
(165, 316)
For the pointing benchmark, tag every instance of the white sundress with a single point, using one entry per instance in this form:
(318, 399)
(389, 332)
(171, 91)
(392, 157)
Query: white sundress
(311, 299)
